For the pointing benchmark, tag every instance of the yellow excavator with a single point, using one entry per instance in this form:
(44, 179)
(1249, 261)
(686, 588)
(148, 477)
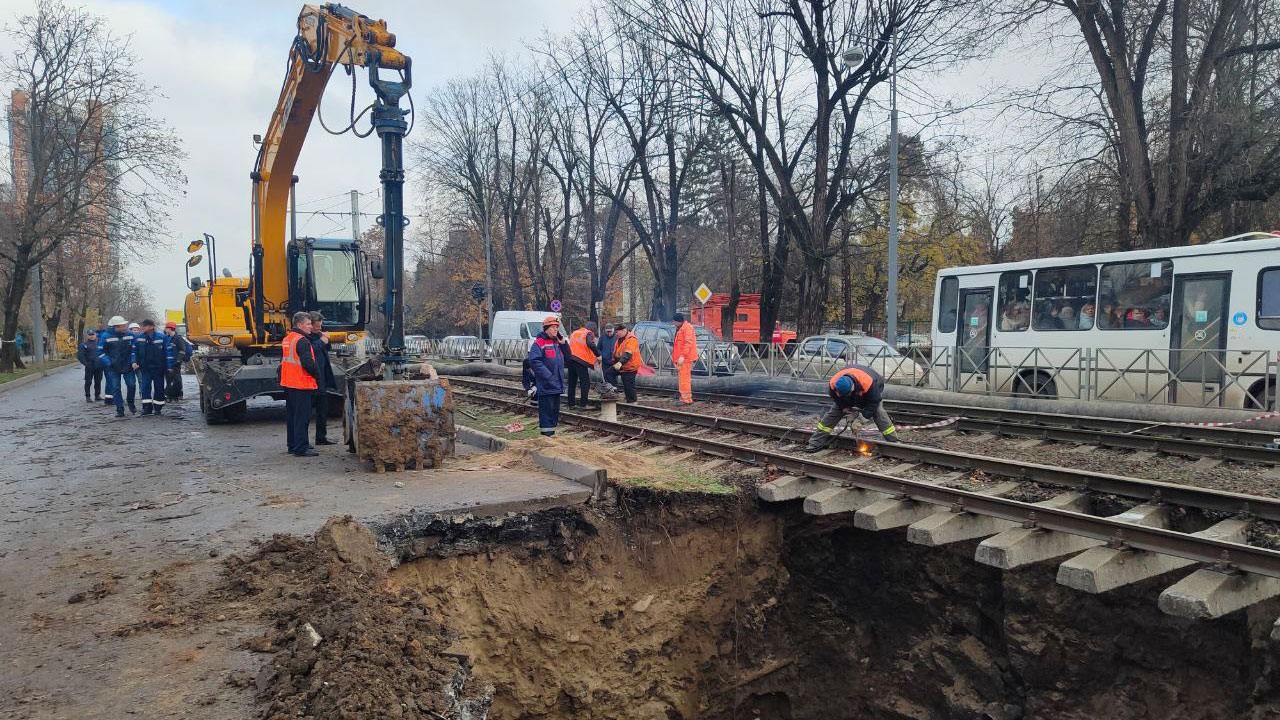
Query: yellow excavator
(240, 322)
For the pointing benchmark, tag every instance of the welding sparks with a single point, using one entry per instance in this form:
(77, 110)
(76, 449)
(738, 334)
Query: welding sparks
(864, 448)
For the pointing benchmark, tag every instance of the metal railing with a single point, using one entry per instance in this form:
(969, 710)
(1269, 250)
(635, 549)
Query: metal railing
(1201, 378)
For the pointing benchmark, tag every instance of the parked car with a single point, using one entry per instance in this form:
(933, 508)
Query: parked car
(823, 354)
(915, 340)
(464, 347)
(656, 339)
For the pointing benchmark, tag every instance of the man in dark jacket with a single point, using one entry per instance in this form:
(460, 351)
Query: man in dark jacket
(298, 377)
(182, 352)
(855, 388)
(605, 347)
(325, 379)
(115, 356)
(87, 354)
(153, 354)
(546, 362)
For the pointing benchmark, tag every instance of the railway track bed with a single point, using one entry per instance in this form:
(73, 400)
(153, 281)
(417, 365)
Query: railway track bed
(1104, 531)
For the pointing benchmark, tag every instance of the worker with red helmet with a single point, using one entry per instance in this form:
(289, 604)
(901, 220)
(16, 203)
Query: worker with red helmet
(859, 388)
(546, 362)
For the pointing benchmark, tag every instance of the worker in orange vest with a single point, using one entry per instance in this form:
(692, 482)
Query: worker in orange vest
(582, 357)
(684, 353)
(298, 374)
(626, 360)
(859, 388)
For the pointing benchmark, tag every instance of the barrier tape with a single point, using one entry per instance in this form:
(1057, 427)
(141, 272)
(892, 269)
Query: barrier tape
(941, 423)
(1256, 418)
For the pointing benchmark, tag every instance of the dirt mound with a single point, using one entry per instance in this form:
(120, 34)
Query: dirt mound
(346, 643)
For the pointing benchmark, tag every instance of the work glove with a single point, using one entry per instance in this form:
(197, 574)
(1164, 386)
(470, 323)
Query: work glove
(617, 366)
(531, 393)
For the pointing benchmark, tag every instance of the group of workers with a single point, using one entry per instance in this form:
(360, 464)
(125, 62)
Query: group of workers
(552, 357)
(133, 355)
(306, 374)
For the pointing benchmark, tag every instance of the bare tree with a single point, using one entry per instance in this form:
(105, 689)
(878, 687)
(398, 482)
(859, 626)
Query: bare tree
(92, 162)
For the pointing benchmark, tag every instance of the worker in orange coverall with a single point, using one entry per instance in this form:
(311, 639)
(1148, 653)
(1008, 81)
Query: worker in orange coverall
(684, 353)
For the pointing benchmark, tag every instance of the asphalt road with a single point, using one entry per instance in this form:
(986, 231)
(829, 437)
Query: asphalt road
(107, 521)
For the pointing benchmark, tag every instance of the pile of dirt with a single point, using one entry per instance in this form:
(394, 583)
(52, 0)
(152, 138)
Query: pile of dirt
(346, 643)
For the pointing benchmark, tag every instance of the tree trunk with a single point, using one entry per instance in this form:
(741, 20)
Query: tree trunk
(812, 295)
(9, 357)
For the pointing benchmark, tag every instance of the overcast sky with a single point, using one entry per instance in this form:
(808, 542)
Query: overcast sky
(220, 64)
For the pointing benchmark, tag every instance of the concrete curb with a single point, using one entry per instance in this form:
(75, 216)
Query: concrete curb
(28, 379)
(593, 477)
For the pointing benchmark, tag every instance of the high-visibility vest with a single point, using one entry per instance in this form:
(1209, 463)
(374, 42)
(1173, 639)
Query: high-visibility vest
(862, 380)
(579, 348)
(291, 373)
(629, 344)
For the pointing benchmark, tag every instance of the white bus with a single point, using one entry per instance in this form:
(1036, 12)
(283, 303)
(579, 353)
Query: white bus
(1196, 325)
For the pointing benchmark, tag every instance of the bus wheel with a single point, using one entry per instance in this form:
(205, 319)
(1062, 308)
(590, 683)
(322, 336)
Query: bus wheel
(1261, 396)
(1036, 385)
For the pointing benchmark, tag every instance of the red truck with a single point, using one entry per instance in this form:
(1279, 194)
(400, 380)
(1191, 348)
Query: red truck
(746, 326)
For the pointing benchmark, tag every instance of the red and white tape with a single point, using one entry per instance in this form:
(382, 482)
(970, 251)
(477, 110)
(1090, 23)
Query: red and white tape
(1255, 418)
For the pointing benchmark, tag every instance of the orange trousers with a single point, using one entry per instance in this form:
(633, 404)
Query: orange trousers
(686, 382)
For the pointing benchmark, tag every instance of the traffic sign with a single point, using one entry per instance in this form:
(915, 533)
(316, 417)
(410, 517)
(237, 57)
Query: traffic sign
(555, 306)
(703, 293)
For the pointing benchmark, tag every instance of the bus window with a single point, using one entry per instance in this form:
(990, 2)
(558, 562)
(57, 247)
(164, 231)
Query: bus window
(948, 299)
(1015, 301)
(1062, 294)
(1269, 299)
(1135, 295)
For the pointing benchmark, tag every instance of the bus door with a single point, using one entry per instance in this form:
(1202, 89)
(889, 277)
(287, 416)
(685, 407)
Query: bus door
(1198, 341)
(973, 334)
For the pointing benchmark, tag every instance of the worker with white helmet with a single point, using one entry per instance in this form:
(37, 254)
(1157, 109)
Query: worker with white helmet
(116, 356)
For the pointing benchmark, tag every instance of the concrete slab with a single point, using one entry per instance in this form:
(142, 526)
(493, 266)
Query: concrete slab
(1105, 568)
(1020, 546)
(479, 439)
(593, 477)
(855, 462)
(946, 526)
(840, 500)
(1030, 443)
(715, 465)
(892, 513)
(790, 487)
(752, 473)
(902, 468)
(1207, 593)
(1206, 463)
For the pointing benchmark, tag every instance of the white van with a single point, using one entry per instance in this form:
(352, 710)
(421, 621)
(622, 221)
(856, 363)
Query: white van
(514, 330)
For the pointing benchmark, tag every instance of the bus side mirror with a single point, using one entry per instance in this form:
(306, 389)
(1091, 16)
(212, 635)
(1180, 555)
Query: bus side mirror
(375, 268)
(196, 284)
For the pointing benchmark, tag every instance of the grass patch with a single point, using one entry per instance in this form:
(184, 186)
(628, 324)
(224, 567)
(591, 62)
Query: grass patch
(32, 370)
(491, 421)
(683, 480)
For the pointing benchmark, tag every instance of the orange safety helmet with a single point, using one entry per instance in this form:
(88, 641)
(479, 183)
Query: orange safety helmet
(550, 320)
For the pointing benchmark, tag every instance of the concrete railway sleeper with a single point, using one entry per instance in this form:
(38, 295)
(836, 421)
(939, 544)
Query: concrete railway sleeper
(1105, 552)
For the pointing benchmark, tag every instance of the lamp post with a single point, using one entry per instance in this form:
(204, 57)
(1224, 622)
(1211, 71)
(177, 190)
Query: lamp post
(852, 58)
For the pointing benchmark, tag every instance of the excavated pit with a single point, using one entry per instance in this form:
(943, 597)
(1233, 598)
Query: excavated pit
(664, 607)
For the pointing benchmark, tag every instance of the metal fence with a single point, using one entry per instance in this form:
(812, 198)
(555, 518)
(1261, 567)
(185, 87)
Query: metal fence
(1201, 378)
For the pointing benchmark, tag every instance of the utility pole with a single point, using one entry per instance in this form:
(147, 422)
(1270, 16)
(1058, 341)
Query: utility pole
(37, 315)
(355, 215)
(488, 269)
(891, 316)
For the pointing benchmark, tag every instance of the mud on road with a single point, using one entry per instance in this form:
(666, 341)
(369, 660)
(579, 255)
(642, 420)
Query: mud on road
(114, 532)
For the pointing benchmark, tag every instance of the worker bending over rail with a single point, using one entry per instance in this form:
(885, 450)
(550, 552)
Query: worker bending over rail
(856, 387)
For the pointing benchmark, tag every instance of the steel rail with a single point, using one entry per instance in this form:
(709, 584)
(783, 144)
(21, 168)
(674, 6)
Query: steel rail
(1139, 537)
(1103, 438)
(1083, 422)
(1141, 489)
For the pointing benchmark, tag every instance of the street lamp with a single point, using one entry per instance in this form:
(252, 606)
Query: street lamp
(852, 58)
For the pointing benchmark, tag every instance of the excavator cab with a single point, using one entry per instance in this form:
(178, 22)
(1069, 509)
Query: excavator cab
(329, 276)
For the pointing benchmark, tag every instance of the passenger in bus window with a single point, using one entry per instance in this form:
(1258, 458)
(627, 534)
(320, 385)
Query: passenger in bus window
(1086, 316)
(1137, 318)
(1160, 318)
(1067, 316)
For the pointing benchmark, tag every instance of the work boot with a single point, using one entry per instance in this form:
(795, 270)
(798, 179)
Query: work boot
(155, 409)
(325, 441)
(307, 453)
(133, 409)
(119, 412)
(891, 437)
(86, 398)
(146, 408)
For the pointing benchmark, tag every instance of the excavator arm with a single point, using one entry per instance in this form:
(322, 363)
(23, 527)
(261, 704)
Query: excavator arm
(328, 35)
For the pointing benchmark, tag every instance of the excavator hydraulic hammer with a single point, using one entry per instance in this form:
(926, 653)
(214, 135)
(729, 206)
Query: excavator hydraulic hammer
(397, 415)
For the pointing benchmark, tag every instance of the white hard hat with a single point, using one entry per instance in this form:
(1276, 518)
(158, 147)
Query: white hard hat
(134, 325)
(116, 320)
